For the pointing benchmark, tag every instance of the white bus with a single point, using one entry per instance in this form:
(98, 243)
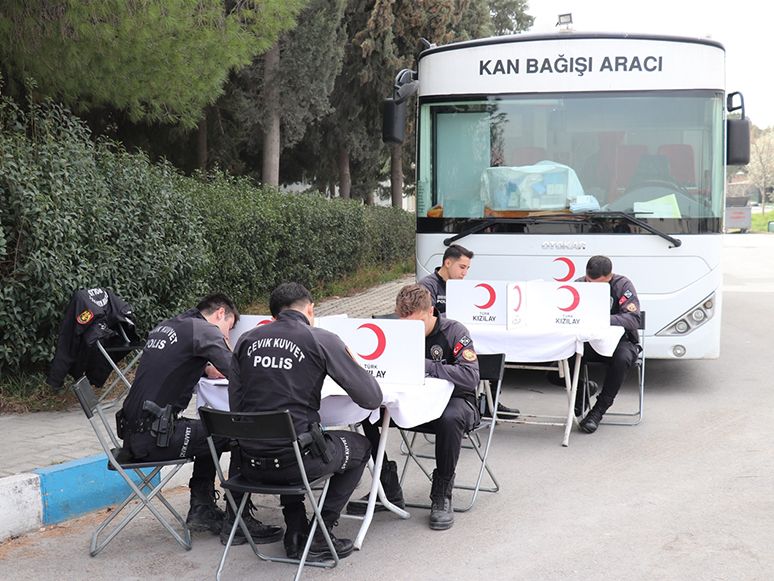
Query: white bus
(537, 152)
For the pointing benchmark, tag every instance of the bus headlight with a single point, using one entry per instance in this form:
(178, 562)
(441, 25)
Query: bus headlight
(690, 320)
(678, 350)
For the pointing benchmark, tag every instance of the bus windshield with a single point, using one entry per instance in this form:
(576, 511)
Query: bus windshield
(657, 156)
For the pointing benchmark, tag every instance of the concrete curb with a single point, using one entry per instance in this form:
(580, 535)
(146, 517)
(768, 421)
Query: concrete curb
(57, 493)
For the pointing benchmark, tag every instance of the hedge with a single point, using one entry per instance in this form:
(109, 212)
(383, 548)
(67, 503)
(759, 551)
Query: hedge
(78, 214)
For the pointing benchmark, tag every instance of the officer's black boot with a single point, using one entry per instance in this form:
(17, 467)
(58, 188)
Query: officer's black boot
(320, 551)
(260, 532)
(590, 423)
(204, 514)
(297, 529)
(392, 489)
(441, 511)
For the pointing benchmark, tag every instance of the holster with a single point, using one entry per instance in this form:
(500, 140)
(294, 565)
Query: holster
(164, 424)
(314, 440)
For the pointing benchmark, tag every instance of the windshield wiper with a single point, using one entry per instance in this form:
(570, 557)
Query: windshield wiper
(676, 242)
(567, 218)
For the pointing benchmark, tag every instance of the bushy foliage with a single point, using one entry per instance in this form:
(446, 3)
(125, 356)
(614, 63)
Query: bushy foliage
(77, 215)
(261, 237)
(74, 214)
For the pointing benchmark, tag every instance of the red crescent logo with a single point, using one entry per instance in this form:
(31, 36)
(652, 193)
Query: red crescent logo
(518, 305)
(381, 342)
(266, 322)
(575, 298)
(570, 269)
(492, 296)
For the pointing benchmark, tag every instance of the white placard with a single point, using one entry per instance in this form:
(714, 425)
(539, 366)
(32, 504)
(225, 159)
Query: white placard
(516, 302)
(391, 350)
(245, 323)
(479, 302)
(568, 305)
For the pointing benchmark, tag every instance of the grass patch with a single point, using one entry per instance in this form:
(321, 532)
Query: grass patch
(760, 222)
(30, 393)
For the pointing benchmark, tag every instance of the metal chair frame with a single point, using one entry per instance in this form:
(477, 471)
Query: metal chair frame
(266, 427)
(133, 348)
(491, 369)
(636, 416)
(119, 460)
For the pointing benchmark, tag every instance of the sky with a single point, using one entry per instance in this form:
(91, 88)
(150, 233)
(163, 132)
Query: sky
(744, 27)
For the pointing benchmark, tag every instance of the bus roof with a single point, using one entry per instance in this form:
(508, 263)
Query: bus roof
(567, 35)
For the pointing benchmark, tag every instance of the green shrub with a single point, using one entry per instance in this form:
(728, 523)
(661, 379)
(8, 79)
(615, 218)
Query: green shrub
(74, 214)
(77, 215)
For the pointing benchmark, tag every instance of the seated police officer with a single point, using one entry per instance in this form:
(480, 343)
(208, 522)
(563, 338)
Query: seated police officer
(173, 359)
(625, 312)
(281, 366)
(455, 264)
(449, 354)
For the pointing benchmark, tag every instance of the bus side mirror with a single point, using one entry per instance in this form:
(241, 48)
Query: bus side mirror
(737, 133)
(394, 121)
(737, 141)
(394, 115)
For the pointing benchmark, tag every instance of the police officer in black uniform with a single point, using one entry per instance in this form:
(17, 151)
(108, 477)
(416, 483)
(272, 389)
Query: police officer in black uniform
(454, 266)
(173, 360)
(625, 312)
(449, 354)
(282, 366)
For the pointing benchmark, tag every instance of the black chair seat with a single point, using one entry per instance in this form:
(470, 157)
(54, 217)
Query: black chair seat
(241, 484)
(127, 461)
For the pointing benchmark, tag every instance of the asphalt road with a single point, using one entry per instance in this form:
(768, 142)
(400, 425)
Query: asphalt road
(684, 495)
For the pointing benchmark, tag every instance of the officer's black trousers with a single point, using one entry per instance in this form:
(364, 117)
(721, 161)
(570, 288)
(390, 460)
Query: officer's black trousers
(349, 456)
(458, 418)
(188, 441)
(618, 365)
(624, 356)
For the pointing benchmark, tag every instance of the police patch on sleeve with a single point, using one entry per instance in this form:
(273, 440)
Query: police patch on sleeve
(464, 342)
(85, 317)
(631, 307)
(469, 355)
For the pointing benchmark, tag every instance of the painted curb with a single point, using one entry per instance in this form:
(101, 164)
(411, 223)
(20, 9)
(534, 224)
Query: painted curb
(20, 508)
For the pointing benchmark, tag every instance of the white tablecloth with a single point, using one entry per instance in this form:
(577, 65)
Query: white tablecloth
(409, 405)
(525, 345)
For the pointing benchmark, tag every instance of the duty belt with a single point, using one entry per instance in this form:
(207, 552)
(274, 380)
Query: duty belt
(134, 426)
(271, 462)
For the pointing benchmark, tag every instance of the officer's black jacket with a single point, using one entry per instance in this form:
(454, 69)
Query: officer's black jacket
(449, 354)
(437, 287)
(282, 365)
(624, 305)
(173, 361)
(92, 315)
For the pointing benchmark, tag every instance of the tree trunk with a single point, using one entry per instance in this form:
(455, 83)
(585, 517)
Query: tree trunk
(345, 180)
(271, 133)
(396, 175)
(201, 145)
(332, 188)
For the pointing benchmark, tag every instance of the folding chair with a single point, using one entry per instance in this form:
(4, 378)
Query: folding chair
(491, 369)
(267, 427)
(636, 416)
(119, 460)
(127, 348)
